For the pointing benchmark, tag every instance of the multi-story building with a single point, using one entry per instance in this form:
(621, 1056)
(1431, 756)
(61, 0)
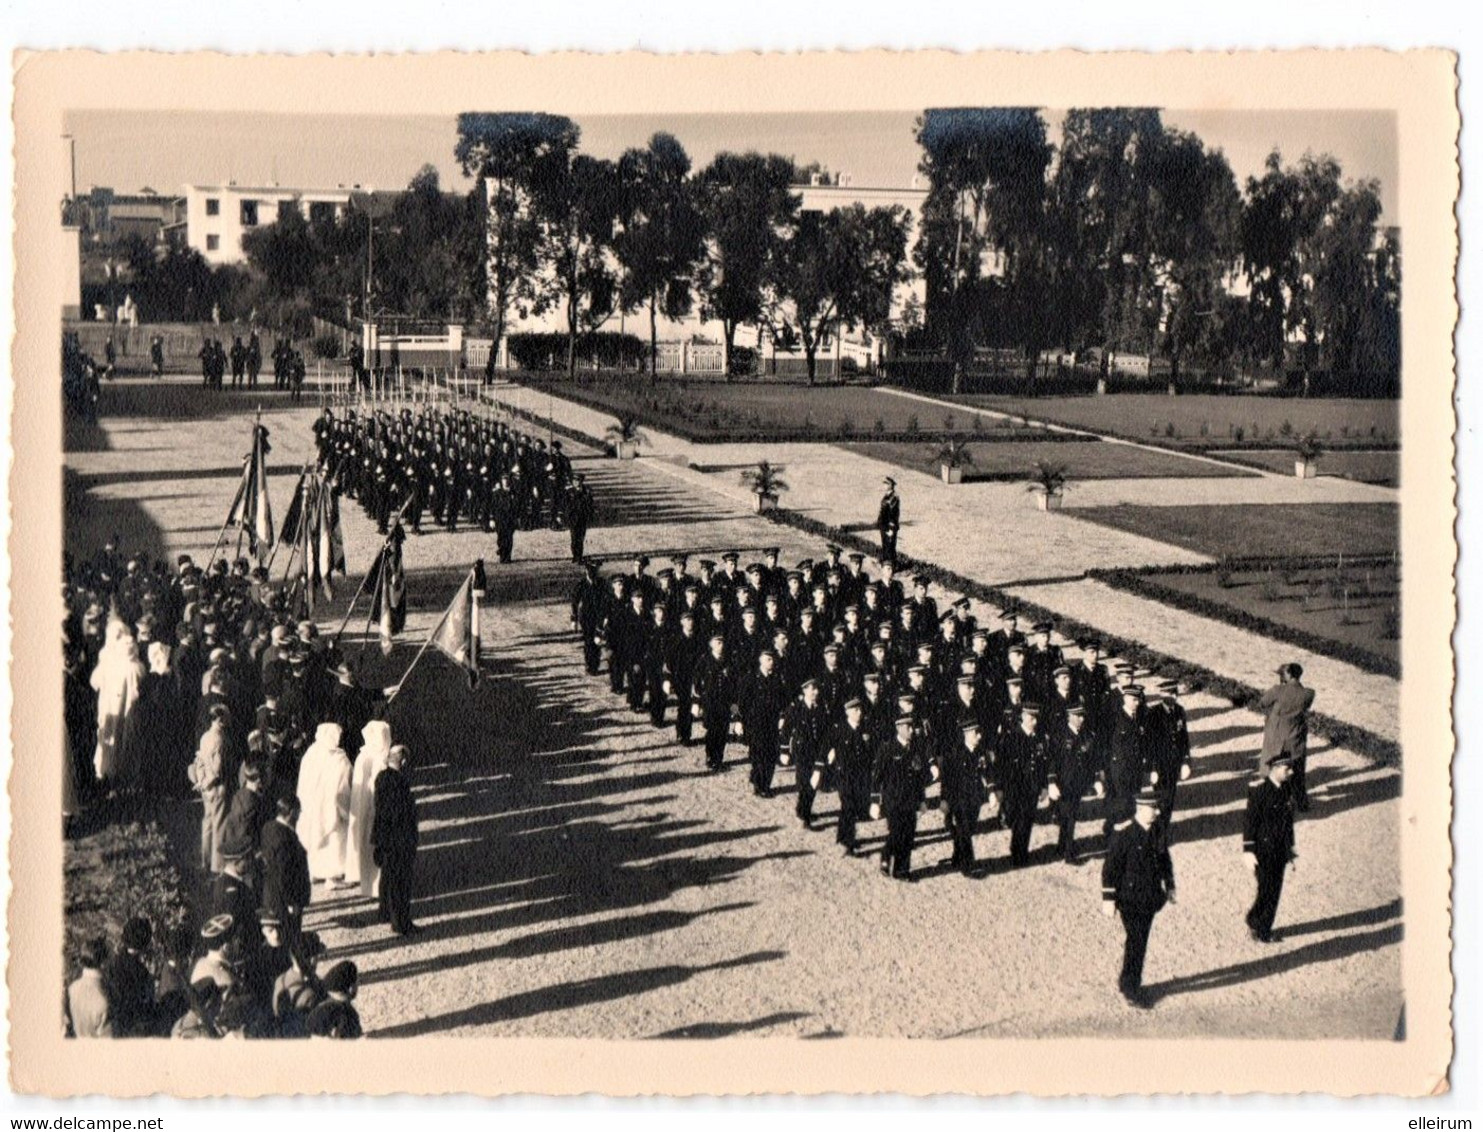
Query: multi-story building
(214, 218)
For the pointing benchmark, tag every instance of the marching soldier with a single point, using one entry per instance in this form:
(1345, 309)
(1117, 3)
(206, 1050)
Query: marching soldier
(615, 610)
(852, 746)
(711, 696)
(888, 520)
(806, 728)
(762, 701)
(964, 769)
(656, 662)
(899, 780)
(1073, 769)
(579, 510)
(1020, 773)
(1137, 881)
(685, 651)
(1169, 739)
(1126, 751)
(588, 604)
(1268, 844)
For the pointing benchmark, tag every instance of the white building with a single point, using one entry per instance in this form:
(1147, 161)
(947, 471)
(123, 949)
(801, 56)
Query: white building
(216, 217)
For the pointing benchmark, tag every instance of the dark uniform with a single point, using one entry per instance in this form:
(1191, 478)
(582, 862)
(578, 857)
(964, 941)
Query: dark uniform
(963, 792)
(589, 601)
(394, 841)
(1138, 878)
(899, 780)
(762, 701)
(711, 691)
(1020, 774)
(1268, 837)
(580, 508)
(806, 729)
(1073, 768)
(849, 756)
(888, 521)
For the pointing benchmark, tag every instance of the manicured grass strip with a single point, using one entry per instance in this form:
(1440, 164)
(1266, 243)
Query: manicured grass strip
(1012, 462)
(1381, 467)
(1141, 584)
(1280, 530)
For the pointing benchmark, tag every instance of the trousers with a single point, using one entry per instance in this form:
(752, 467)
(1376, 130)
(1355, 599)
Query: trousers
(1270, 872)
(1137, 925)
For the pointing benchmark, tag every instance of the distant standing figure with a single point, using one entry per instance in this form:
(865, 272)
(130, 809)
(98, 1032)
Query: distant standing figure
(1268, 843)
(254, 359)
(888, 521)
(238, 357)
(1137, 881)
(157, 356)
(1287, 704)
(579, 509)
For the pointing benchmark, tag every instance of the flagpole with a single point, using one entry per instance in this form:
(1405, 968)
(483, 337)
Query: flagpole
(367, 578)
(272, 554)
(425, 646)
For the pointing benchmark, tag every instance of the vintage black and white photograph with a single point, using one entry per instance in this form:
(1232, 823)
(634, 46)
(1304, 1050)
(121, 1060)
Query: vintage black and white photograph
(918, 573)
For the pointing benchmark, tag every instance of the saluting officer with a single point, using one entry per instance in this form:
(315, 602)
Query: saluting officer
(1137, 881)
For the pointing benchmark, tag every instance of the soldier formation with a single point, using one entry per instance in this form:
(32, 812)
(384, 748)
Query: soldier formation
(868, 690)
(449, 467)
(244, 361)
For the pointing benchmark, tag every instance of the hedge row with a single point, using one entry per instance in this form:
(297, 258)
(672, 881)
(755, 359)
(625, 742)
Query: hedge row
(1336, 731)
(1135, 583)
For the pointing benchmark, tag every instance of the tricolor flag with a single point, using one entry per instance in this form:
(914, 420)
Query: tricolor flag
(289, 531)
(455, 637)
(251, 509)
(389, 599)
(329, 541)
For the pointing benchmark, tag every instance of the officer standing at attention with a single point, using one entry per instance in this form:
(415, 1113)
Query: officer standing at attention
(1268, 843)
(888, 521)
(1137, 881)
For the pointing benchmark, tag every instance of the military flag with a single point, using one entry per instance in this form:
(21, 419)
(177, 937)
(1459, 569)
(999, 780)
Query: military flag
(389, 601)
(455, 637)
(251, 509)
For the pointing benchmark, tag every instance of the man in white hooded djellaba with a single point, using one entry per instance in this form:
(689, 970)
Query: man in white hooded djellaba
(359, 863)
(324, 791)
(118, 679)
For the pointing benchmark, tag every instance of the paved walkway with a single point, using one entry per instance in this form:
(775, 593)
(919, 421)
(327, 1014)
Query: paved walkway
(994, 534)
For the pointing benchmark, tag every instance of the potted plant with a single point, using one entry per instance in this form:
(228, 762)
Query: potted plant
(766, 485)
(625, 436)
(951, 457)
(1048, 482)
(1308, 451)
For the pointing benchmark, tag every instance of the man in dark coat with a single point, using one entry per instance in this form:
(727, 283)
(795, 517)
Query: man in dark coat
(762, 701)
(888, 521)
(1268, 843)
(1073, 767)
(711, 697)
(580, 508)
(249, 810)
(128, 983)
(898, 780)
(806, 728)
(964, 767)
(589, 600)
(504, 515)
(1020, 774)
(286, 883)
(685, 652)
(657, 638)
(1126, 752)
(1168, 729)
(1137, 881)
(394, 841)
(1286, 704)
(851, 748)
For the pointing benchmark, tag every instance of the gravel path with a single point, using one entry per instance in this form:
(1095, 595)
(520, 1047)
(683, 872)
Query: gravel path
(581, 877)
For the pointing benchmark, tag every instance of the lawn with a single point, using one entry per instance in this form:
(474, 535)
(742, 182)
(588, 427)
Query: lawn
(1351, 611)
(1088, 460)
(703, 411)
(1261, 530)
(1209, 421)
(1365, 467)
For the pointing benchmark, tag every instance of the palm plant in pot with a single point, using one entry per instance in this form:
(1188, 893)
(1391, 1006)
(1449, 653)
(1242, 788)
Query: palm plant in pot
(766, 484)
(1305, 466)
(951, 457)
(625, 436)
(1048, 482)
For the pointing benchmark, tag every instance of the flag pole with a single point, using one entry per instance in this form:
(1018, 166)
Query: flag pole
(365, 581)
(425, 646)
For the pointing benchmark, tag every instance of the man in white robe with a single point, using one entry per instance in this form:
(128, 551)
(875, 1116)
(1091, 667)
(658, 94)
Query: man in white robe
(324, 790)
(117, 679)
(359, 863)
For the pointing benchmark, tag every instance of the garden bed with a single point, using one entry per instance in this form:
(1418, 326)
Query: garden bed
(1244, 530)
(1206, 421)
(709, 412)
(1090, 460)
(1383, 468)
(1337, 607)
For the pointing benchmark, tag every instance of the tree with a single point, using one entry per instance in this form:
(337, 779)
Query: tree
(986, 169)
(508, 153)
(1195, 211)
(284, 252)
(836, 269)
(746, 204)
(577, 204)
(662, 238)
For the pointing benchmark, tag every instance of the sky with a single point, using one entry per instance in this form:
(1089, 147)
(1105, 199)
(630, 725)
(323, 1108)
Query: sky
(128, 150)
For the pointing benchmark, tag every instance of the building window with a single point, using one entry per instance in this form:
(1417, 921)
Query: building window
(287, 206)
(213, 243)
(249, 214)
(213, 206)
